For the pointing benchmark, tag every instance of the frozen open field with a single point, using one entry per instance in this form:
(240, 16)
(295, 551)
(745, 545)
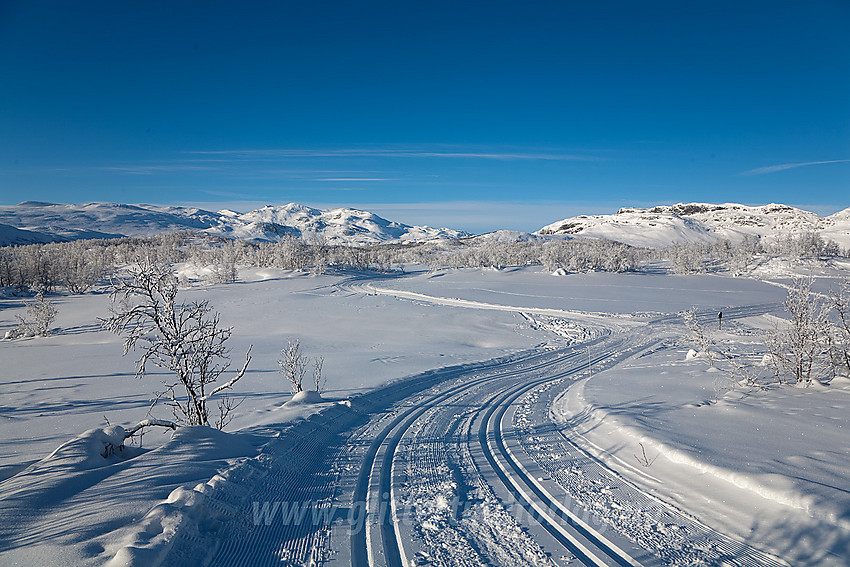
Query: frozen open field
(474, 429)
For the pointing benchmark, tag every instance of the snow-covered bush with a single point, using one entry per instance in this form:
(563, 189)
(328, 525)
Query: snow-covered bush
(734, 369)
(42, 313)
(185, 339)
(800, 349)
(40, 316)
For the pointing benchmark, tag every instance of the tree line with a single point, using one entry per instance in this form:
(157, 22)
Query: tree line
(79, 265)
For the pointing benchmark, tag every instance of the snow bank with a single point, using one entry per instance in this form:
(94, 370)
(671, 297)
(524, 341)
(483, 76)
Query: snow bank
(77, 507)
(749, 463)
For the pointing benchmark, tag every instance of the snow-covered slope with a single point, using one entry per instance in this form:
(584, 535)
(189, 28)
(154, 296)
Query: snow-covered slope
(50, 222)
(102, 220)
(11, 235)
(703, 222)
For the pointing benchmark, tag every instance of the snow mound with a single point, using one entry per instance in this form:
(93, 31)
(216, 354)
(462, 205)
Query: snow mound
(185, 510)
(306, 397)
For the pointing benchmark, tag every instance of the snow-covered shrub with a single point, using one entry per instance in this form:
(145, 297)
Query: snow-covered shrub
(800, 349)
(185, 339)
(42, 313)
(40, 316)
(733, 367)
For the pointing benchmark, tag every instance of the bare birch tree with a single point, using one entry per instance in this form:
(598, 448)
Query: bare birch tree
(294, 365)
(185, 339)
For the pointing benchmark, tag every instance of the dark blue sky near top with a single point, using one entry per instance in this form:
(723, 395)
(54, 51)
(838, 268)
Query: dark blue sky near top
(476, 114)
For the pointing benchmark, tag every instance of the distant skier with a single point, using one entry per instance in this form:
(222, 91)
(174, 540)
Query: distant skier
(719, 320)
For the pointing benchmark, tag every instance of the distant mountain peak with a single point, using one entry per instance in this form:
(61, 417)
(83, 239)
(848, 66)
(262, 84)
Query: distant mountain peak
(660, 226)
(45, 222)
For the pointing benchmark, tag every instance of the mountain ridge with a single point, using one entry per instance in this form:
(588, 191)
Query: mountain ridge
(33, 222)
(36, 221)
(662, 225)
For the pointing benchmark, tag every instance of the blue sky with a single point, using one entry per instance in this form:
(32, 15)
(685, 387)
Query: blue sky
(474, 115)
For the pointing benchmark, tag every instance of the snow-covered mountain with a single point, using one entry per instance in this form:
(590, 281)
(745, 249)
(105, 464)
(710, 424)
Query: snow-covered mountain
(33, 221)
(341, 225)
(661, 226)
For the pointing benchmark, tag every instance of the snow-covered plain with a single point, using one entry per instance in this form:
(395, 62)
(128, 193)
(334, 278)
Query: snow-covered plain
(766, 468)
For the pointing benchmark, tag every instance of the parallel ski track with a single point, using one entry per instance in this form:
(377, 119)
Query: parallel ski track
(586, 543)
(393, 433)
(397, 427)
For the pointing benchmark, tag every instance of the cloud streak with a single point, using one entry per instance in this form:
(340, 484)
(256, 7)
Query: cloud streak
(784, 166)
(399, 153)
(152, 169)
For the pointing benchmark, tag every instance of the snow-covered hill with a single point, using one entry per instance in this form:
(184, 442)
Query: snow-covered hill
(702, 222)
(32, 221)
(11, 235)
(338, 226)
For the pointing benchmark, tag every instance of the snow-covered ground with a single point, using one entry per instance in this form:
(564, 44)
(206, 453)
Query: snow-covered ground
(764, 468)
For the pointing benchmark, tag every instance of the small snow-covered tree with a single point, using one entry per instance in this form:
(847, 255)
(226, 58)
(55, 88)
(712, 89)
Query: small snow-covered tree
(699, 336)
(800, 349)
(185, 339)
(223, 268)
(743, 254)
(840, 303)
(42, 313)
(686, 258)
(294, 365)
(81, 265)
(40, 316)
(318, 377)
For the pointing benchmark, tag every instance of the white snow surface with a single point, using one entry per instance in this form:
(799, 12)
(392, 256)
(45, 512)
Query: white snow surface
(767, 467)
(660, 226)
(50, 221)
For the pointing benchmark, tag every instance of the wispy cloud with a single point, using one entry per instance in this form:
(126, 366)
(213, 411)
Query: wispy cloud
(152, 169)
(345, 179)
(784, 166)
(401, 153)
